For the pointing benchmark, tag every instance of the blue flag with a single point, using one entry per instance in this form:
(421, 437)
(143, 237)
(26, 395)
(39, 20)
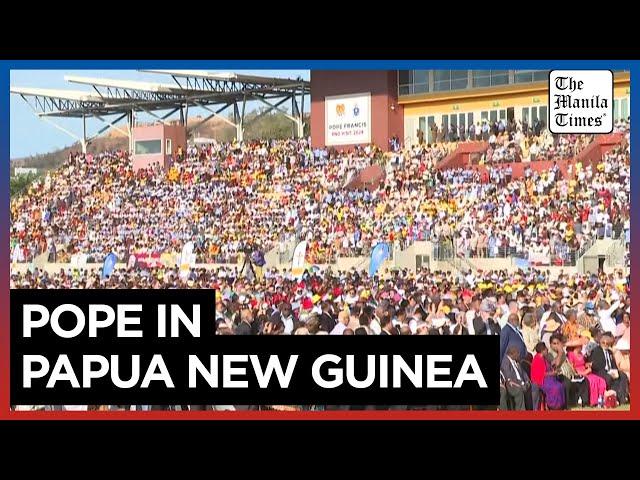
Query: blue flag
(378, 255)
(109, 265)
(521, 263)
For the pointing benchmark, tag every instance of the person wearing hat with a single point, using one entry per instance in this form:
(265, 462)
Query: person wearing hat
(554, 312)
(571, 328)
(621, 355)
(485, 324)
(588, 319)
(597, 385)
(575, 386)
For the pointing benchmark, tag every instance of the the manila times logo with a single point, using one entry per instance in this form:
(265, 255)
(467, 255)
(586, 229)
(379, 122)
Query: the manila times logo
(581, 101)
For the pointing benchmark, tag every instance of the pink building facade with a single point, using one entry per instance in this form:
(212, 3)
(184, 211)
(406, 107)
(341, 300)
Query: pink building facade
(156, 144)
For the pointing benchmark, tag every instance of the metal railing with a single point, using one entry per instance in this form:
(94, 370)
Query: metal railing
(615, 256)
(446, 250)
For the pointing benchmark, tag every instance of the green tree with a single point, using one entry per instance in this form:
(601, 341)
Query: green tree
(20, 183)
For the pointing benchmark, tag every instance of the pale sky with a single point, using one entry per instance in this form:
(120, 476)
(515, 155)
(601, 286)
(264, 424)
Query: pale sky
(30, 135)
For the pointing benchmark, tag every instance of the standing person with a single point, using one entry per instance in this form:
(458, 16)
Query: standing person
(485, 324)
(376, 322)
(258, 261)
(530, 332)
(516, 380)
(327, 320)
(511, 336)
(485, 130)
(387, 326)
(246, 319)
(513, 309)
(341, 326)
(434, 132)
(247, 269)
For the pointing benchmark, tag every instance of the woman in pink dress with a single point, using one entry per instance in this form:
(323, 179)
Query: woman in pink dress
(597, 385)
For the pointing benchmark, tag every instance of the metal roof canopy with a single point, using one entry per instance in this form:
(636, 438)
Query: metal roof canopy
(193, 88)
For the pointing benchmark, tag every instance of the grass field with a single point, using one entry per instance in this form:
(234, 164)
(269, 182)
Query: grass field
(625, 408)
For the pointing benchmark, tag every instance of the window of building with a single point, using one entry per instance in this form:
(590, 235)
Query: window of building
(441, 80)
(405, 77)
(431, 120)
(542, 115)
(490, 78)
(459, 79)
(528, 76)
(624, 109)
(540, 75)
(620, 109)
(420, 81)
(420, 88)
(168, 150)
(481, 78)
(422, 125)
(461, 120)
(148, 147)
(405, 82)
(534, 115)
(499, 77)
(423, 81)
(422, 260)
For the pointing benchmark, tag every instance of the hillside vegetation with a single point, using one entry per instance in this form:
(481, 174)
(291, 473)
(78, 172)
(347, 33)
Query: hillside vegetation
(274, 125)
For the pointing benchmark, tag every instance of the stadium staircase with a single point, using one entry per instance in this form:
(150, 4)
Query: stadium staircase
(461, 265)
(612, 251)
(602, 144)
(461, 156)
(616, 253)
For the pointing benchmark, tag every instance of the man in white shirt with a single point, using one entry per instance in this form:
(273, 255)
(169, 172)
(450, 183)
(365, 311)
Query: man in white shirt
(472, 313)
(604, 314)
(343, 320)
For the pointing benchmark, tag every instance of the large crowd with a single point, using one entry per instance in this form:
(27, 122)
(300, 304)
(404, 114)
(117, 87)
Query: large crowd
(222, 195)
(564, 340)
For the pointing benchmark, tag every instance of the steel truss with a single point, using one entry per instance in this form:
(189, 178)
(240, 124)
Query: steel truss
(123, 98)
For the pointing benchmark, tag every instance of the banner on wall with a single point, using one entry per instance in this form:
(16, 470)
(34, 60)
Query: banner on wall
(186, 260)
(297, 265)
(347, 119)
